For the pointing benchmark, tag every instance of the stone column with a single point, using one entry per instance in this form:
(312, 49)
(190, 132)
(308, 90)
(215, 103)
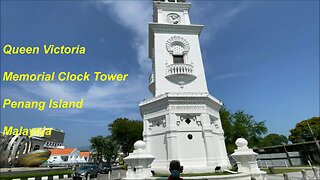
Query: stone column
(171, 137)
(223, 152)
(160, 14)
(186, 17)
(208, 138)
(247, 160)
(139, 162)
(146, 134)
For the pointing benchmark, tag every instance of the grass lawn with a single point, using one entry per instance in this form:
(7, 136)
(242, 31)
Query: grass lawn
(35, 174)
(283, 170)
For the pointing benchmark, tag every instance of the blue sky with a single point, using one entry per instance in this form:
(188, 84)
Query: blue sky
(260, 56)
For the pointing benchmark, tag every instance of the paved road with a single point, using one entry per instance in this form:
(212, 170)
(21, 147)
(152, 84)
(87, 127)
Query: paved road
(116, 174)
(292, 176)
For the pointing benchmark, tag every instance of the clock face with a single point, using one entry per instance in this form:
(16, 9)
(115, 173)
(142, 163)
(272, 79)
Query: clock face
(173, 18)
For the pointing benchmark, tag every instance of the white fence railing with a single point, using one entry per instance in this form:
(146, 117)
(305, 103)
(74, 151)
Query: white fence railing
(179, 68)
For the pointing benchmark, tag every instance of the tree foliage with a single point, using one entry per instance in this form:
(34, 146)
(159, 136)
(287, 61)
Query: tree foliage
(274, 140)
(302, 133)
(241, 125)
(105, 148)
(125, 133)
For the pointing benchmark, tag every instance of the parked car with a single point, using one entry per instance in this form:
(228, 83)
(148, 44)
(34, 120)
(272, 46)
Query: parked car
(86, 171)
(105, 167)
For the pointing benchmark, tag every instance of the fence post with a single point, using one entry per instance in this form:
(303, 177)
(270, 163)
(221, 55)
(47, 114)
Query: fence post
(304, 175)
(316, 172)
(285, 176)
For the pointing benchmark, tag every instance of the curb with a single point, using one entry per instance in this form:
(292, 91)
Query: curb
(45, 177)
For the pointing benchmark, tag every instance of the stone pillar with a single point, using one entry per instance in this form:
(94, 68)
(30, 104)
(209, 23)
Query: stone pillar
(172, 145)
(171, 137)
(246, 160)
(160, 19)
(186, 17)
(208, 138)
(146, 134)
(139, 162)
(304, 175)
(316, 172)
(222, 147)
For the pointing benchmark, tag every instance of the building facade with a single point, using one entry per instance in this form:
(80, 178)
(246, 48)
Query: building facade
(67, 156)
(54, 140)
(181, 121)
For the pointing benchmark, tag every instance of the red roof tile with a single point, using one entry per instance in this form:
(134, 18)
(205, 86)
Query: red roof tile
(84, 154)
(62, 151)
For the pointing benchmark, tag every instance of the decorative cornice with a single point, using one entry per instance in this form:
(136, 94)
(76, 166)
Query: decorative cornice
(174, 94)
(181, 98)
(175, 28)
(153, 99)
(172, 6)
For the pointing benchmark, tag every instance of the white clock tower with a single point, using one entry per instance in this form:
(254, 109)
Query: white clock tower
(181, 122)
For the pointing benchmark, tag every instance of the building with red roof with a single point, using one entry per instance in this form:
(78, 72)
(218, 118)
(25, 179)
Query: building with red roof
(68, 156)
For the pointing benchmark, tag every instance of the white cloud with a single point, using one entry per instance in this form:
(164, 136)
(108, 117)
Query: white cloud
(133, 15)
(115, 95)
(110, 96)
(230, 75)
(216, 16)
(94, 122)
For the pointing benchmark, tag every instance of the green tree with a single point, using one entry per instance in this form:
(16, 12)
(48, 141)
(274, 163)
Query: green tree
(105, 147)
(274, 140)
(241, 125)
(110, 150)
(226, 121)
(125, 133)
(302, 133)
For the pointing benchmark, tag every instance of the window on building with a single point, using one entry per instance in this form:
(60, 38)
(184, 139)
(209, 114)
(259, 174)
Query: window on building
(178, 59)
(65, 158)
(36, 147)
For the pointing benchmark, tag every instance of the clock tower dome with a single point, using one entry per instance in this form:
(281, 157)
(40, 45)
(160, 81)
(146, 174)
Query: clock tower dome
(181, 122)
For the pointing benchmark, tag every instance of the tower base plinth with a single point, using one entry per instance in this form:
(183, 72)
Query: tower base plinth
(185, 127)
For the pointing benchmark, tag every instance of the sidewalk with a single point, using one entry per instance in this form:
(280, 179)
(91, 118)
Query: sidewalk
(292, 176)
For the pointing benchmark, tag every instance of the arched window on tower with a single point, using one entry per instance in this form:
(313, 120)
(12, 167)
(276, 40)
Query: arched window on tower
(178, 59)
(177, 52)
(178, 47)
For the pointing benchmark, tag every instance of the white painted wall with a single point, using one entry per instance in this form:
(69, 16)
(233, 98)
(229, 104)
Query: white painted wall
(165, 134)
(163, 58)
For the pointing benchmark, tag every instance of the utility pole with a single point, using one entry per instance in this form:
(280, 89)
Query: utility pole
(314, 137)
